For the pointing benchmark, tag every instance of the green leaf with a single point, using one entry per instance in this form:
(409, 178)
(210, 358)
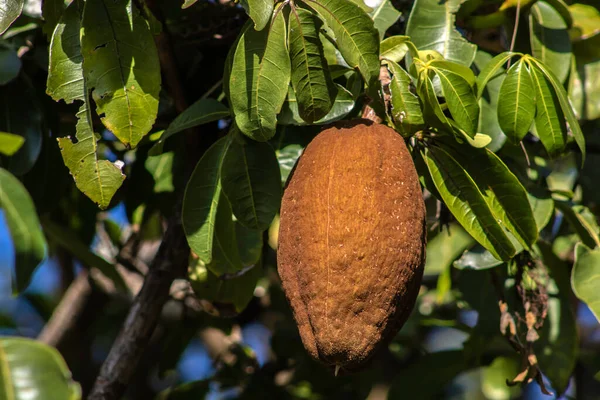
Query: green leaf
(259, 11)
(121, 67)
(11, 65)
(259, 77)
(394, 48)
(478, 258)
(52, 11)
(491, 70)
(586, 21)
(10, 143)
(161, 169)
(287, 157)
(431, 27)
(71, 242)
(384, 15)
(586, 276)
(249, 243)
(432, 110)
(516, 110)
(97, 179)
(225, 254)
(549, 37)
(566, 107)
(201, 112)
(583, 222)
(446, 247)
(22, 220)
(488, 101)
(466, 202)
(9, 12)
(251, 181)
(504, 194)
(549, 120)
(356, 37)
(342, 105)
(458, 92)
(310, 77)
(584, 88)
(189, 390)
(31, 370)
(558, 347)
(201, 200)
(406, 109)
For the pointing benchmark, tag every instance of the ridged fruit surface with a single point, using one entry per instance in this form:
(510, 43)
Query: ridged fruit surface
(352, 241)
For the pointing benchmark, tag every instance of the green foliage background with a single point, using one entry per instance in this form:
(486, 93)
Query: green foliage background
(197, 112)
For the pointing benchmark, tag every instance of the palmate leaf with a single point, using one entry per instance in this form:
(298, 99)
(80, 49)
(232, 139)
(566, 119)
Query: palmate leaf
(121, 67)
(406, 109)
(201, 200)
(565, 105)
(310, 78)
(355, 35)
(251, 181)
(97, 179)
(457, 82)
(516, 110)
(32, 370)
(549, 121)
(466, 202)
(9, 12)
(431, 27)
(259, 78)
(549, 37)
(24, 227)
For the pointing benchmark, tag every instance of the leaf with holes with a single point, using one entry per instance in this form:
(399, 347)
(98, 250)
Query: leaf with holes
(311, 80)
(121, 67)
(258, 80)
(97, 179)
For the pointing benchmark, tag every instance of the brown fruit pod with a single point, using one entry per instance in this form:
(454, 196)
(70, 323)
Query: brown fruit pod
(352, 242)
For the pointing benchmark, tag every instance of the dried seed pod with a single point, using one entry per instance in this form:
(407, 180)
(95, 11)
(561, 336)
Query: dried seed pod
(352, 241)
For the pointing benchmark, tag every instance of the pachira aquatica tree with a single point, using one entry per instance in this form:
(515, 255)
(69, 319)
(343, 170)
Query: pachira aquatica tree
(495, 100)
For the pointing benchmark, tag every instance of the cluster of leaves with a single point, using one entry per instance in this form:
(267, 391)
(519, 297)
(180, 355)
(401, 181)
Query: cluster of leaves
(489, 136)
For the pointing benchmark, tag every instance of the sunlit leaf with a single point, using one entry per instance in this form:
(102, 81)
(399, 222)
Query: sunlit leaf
(356, 37)
(394, 48)
(32, 370)
(406, 110)
(312, 83)
(457, 87)
(259, 11)
(516, 110)
(586, 276)
(432, 110)
(201, 200)
(463, 198)
(565, 105)
(384, 15)
(549, 121)
(342, 105)
(251, 181)
(10, 143)
(161, 169)
(431, 27)
(446, 247)
(225, 254)
(97, 179)
(121, 67)
(201, 112)
(583, 222)
(586, 21)
(259, 77)
(478, 258)
(9, 11)
(24, 227)
(491, 70)
(287, 157)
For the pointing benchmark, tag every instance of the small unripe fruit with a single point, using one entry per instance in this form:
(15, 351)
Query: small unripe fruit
(352, 241)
